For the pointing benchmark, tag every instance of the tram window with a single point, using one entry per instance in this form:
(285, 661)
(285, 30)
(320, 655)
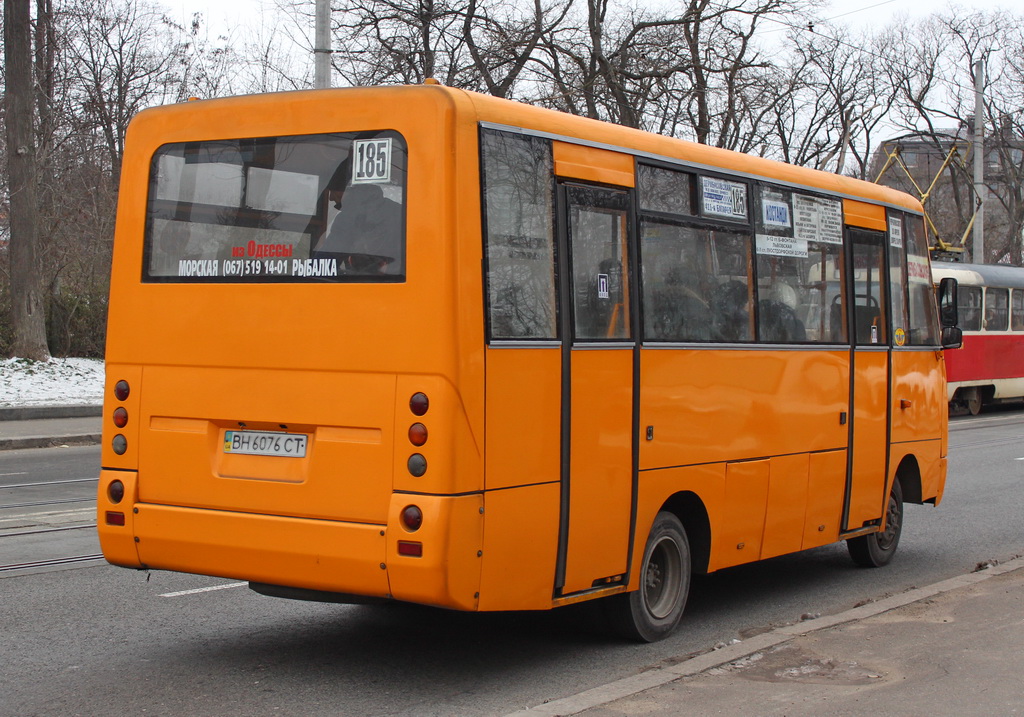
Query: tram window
(969, 307)
(997, 302)
(1017, 310)
(665, 190)
(922, 329)
(695, 283)
(518, 195)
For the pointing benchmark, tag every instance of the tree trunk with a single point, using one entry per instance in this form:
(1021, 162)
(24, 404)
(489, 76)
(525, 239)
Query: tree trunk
(28, 318)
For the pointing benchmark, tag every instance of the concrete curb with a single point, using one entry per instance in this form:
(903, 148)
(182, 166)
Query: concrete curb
(82, 439)
(627, 686)
(32, 413)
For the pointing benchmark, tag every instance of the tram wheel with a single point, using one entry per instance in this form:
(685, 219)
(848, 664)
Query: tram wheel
(972, 397)
(653, 612)
(876, 549)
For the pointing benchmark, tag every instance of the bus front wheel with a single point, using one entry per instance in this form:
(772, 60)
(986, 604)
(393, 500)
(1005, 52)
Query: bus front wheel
(876, 549)
(653, 611)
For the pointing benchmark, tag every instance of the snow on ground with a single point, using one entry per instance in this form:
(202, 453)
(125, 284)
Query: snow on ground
(57, 382)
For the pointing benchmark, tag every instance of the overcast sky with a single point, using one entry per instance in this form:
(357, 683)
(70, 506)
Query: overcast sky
(222, 16)
(226, 13)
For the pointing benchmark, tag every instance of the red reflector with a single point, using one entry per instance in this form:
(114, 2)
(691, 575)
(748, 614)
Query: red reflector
(114, 518)
(407, 547)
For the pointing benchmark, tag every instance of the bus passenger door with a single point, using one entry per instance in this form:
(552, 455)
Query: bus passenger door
(869, 402)
(597, 318)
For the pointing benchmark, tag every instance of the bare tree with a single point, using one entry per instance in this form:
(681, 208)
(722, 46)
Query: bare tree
(123, 55)
(483, 45)
(930, 67)
(829, 101)
(28, 320)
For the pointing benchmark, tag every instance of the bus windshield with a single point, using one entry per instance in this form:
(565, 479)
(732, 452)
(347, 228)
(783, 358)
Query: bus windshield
(326, 207)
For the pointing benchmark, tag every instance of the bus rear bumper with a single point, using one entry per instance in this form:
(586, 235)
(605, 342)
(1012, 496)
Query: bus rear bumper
(314, 554)
(354, 559)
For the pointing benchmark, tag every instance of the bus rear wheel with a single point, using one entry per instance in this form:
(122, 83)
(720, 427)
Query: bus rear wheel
(877, 549)
(653, 612)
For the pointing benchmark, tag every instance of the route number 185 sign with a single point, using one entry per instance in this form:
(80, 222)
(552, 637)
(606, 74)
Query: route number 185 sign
(371, 161)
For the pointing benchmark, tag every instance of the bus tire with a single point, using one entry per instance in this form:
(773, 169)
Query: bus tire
(653, 612)
(877, 549)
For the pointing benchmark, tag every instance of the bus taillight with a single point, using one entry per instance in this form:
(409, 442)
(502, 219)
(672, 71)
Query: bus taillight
(121, 390)
(417, 434)
(115, 491)
(417, 464)
(419, 403)
(120, 417)
(412, 518)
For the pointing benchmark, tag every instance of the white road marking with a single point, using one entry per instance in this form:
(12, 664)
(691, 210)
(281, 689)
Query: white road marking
(51, 515)
(203, 590)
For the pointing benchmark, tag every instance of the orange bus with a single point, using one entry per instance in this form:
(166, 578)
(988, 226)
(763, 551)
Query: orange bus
(425, 345)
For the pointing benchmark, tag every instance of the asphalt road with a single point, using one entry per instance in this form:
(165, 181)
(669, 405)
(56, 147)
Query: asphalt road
(94, 639)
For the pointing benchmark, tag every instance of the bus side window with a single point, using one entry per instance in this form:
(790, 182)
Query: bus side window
(695, 283)
(518, 189)
(922, 317)
(798, 260)
(675, 292)
(799, 297)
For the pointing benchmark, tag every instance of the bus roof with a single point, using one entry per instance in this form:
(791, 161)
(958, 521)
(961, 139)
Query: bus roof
(479, 108)
(566, 127)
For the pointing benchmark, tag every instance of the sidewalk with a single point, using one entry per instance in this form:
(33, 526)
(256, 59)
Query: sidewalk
(44, 426)
(953, 648)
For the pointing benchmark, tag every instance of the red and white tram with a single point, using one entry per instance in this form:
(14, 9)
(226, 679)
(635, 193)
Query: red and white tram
(990, 366)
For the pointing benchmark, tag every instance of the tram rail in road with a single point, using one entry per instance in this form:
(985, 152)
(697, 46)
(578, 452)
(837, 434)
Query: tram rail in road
(44, 539)
(54, 562)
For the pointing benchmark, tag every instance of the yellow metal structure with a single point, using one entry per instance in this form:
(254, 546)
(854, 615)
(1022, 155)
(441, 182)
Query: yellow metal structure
(893, 158)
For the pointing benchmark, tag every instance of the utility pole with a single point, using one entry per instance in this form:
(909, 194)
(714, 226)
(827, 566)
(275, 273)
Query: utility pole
(322, 46)
(978, 238)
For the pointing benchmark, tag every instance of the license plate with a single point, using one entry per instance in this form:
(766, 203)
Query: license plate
(266, 443)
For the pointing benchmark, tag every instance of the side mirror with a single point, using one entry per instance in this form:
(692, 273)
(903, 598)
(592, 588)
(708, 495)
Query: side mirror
(948, 315)
(952, 337)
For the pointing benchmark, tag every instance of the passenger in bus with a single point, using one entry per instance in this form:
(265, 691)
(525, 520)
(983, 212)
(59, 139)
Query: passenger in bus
(366, 236)
(678, 313)
(730, 312)
(778, 321)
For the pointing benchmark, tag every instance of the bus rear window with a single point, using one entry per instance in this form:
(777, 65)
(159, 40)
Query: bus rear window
(312, 208)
